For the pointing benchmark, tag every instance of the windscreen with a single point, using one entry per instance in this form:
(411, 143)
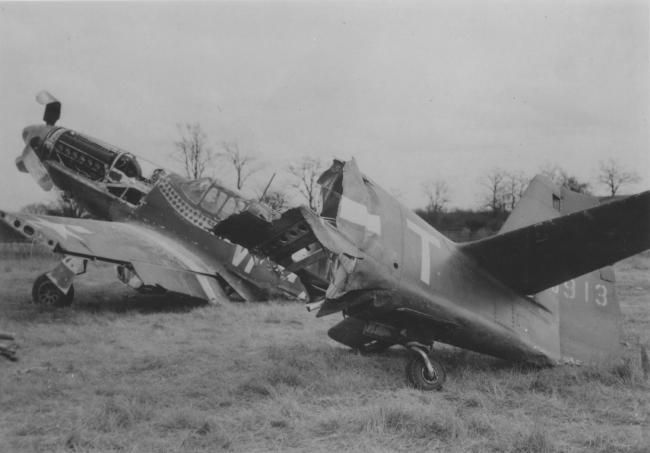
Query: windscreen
(213, 201)
(194, 190)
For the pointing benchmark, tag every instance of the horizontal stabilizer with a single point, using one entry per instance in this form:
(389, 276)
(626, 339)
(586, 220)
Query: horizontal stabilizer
(542, 255)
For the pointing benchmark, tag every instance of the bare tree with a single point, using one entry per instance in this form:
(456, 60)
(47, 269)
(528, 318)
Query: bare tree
(561, 177)
(192, 150)
(306, 172)
(275, 199)
(244, 164)
(437, 193)
(613, 176)
(514, 186)
(495, 185)
(577, 186)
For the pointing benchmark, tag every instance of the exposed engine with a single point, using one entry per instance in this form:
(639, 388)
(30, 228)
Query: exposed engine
(88, 157)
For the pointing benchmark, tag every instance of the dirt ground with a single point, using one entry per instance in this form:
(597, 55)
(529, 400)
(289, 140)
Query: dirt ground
(122, 372)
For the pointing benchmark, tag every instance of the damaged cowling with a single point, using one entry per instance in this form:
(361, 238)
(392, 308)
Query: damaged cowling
(350, 202)
(333, 253)
(346, 271)
(342, 267)
(350, 219)
(350, 274)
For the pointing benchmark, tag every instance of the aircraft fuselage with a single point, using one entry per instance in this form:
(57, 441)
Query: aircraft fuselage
(108, 183)
(422, 282)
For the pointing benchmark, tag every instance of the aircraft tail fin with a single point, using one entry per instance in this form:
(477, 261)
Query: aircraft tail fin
(588, 312)
(543, 200)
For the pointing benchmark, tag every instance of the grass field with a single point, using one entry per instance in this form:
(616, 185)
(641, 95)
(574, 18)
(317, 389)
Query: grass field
(122, 372)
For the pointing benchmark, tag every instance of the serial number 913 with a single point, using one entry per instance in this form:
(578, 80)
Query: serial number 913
(572, 290)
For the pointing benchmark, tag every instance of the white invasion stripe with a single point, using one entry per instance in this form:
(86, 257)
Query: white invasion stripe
(355, 212)
(207, 287)
(191, 262)
(239, 255)
(373, 223)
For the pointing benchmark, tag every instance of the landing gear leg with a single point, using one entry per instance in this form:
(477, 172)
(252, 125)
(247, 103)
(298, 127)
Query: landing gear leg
(46, 293)
(55, 288)
(422, 372)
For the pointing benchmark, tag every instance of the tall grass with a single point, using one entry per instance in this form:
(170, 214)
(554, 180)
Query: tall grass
(23, 251)
(122, 372)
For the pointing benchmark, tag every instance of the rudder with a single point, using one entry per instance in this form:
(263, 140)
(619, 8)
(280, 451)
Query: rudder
(587, 307)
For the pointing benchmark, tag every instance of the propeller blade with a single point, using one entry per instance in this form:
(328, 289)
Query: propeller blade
(20, 164)
(29, 162)
(52, 107)
(44, 98)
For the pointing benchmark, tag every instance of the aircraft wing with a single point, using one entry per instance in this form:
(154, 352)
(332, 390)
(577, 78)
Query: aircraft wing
(158, 259)
(545, 254)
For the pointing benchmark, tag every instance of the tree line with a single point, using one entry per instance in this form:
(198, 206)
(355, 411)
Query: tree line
(501, 190)
(193, 151)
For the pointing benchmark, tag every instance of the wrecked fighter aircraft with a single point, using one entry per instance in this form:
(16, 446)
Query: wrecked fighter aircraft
(157, 230)
(539, 291)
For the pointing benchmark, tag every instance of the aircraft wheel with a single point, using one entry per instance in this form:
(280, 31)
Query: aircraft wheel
(420, 378)
(374, 347)
(44, 292)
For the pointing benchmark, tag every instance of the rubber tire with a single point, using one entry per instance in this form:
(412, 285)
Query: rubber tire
(45, 293)
(417, 374)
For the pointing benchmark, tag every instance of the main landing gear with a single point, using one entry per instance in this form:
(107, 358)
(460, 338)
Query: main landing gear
(367, 337)
(422, 372)
(46, 293)
(55, 288)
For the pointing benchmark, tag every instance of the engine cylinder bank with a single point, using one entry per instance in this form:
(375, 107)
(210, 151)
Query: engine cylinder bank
(87, 156)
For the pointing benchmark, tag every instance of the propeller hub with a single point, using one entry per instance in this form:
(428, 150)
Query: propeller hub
(39, 131)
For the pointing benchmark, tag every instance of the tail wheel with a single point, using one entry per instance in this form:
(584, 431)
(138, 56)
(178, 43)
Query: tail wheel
(46, 293)
(419, 376)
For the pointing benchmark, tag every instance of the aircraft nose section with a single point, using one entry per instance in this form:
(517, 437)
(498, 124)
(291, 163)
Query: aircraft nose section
(35, 130)
(28, 131)
(29, 161)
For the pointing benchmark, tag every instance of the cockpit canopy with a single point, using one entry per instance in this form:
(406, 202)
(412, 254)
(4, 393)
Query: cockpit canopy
(213, 198)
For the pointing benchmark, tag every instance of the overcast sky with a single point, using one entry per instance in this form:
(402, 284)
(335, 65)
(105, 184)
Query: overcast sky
(443, 90)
